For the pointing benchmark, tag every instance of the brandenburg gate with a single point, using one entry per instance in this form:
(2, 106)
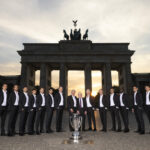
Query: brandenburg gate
(76, 53)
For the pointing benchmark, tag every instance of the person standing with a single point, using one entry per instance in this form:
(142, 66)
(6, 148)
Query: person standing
(103, 106)
(59, 105)
(147, 102)
(23, 108)
(124, 108)
(114, 105)
(32, 112)
(137, 108)
(40, 116)
(81, 109)
(72, 106)
(90, 109)
(49, 110)
(13, 107)
(3, 107)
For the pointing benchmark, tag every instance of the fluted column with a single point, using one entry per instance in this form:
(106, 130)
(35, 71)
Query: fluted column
(106, 78)
(63, 79)
(88, 78)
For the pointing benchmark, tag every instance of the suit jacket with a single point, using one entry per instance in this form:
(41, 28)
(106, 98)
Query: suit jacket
(49, 101)
(39, 101)
(139, 100)
(125, 100)
(70, 102)
(145, 98)
(92, 101)
(104, 101)
(116, 100)
(31, 102)
(57, 99)
(2, 99)
(84, 105)
(12, 99)
(22, 100)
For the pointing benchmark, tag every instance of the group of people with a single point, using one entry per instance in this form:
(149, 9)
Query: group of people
(39, 107)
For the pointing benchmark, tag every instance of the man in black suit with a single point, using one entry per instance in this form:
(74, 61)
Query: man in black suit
(59, 105)
(124, 108)
(32, 112)
(13, 107)
(137, 108)
(72, 105)
(40, 105)
(81, 109)
(102, 103)
(114, 110)
(147, 102)
(3, 107)
(90, 106)
(23, 108)
(49, 110)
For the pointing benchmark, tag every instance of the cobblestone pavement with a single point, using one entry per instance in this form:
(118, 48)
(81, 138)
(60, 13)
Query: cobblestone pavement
(90, 140)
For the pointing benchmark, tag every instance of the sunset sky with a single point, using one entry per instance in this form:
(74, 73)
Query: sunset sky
(23, 21)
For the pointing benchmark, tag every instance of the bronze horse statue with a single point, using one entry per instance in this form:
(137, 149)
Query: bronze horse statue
(66, 36)
(85, 36)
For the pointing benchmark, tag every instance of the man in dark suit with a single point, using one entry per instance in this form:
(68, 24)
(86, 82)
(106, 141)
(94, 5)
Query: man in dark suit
(23, 108)
(114, 110)
(81, 109)
(59, 105)
(32, 112)
(13, 107)
(40, 105)
(137, 108)
(90, 106)
(72, 106)
(3, 107)
(147, 101)
(102, 104)
(49, 110)
(124, 108)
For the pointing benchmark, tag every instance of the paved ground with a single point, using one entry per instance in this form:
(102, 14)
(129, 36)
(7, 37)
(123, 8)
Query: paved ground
(91, 140)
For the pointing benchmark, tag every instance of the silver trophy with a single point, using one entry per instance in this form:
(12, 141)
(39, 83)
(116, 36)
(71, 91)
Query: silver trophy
(76, 122)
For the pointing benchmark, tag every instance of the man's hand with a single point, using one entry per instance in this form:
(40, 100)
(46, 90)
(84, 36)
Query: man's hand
(78, 112)
(132, 110)
(85, 112)
(31, 109)
(71, 110)
(22, 109)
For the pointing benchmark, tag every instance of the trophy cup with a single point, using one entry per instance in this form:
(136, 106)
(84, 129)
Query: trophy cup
(76, 122)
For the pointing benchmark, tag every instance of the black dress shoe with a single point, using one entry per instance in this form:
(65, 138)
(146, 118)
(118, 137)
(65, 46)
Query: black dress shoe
(142, 132)
(30, 133)
(112, 129)
(94, 129)
(3, 134)
(119, 130)
(90, 129)
(21, 134)
(37, 132)
(126, 130)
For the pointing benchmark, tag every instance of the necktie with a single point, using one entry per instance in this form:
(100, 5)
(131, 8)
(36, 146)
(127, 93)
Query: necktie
(80, 103)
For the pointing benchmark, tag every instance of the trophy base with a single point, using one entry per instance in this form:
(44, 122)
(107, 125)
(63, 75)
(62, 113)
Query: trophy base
(76, 137)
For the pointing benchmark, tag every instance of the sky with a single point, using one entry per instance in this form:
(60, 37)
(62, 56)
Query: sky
(42, 21)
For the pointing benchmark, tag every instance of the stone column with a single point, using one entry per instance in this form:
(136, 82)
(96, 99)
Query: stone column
(88, 78)
(63, 79)
(125, 80)
(106, 78)
(27, 76)
(45, 77)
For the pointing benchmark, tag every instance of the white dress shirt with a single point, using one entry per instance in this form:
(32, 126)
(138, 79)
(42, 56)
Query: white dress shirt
(88, 101)
(62, 100)
(147, 98)
(74, 101)
(52, 100)
(100, 101)
(27, 99)
(121, 100)
(135, 98)
(17, 99)
(5, 98)
(43, 100)
(81, 102)
(34, 105)
(112, 100)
